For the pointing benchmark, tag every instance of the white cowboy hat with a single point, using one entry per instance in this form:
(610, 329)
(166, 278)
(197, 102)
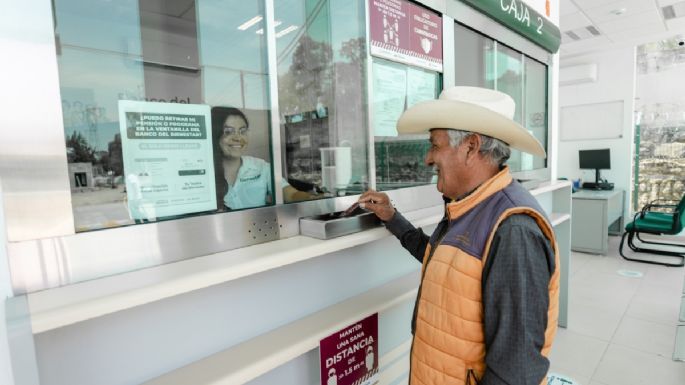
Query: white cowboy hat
(473, 109)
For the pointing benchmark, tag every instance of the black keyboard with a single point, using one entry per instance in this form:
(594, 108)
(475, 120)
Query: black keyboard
(598, 186)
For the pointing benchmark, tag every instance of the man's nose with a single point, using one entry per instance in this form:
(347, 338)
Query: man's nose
(428, 160)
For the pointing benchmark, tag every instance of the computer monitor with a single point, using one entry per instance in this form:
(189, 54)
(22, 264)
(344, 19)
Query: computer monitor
(595, 160)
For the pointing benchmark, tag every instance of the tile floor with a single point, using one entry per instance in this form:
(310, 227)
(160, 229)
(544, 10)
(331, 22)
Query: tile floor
(621, 330)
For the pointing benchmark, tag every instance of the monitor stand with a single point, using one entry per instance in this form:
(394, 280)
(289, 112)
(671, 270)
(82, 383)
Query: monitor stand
(598, 185)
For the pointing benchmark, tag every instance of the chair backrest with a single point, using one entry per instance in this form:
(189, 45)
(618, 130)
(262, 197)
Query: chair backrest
(679, 222)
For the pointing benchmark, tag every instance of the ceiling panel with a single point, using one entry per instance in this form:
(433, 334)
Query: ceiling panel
(586, 4)
(567, 7)
(676, 25)
(638, 31)
(663, 3)
(604, 13)
(630, 22)
(641, 23)
(573, 21)
(586, 45)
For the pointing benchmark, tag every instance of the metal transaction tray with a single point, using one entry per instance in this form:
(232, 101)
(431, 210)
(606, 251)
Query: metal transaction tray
(327, 226)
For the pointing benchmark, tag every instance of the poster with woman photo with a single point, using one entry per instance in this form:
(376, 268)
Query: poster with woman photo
(242, 160)
(167, 156)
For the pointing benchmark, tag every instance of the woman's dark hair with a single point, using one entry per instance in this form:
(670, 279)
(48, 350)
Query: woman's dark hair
(219, 115)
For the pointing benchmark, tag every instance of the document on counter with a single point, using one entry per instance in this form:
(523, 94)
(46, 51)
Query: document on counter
(168, 163)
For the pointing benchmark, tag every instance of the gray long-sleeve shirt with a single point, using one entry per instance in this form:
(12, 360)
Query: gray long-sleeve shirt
(515, 297)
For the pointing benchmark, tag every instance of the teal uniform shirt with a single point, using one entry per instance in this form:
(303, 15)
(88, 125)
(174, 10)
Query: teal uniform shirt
(252, 185)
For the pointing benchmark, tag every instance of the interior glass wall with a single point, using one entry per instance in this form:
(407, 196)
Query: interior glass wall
(474, 56)
(483, 62)
(166, 105)
(535, 106)
(165, 108)
(321, 59)
(400, 159)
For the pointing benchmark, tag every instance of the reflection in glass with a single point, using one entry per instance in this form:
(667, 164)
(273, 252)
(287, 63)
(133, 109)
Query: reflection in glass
(233, 54)
(535, 109)
(478, 64)
(321, 92)
(509, 79)
(400, 162)
(474, 58)
(207, 52)
(399, 159)
(509, 76)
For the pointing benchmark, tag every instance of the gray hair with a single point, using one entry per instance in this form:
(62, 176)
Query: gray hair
(494, 149)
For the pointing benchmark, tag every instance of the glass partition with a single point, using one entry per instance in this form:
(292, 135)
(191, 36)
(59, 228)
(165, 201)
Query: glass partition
(165, 108)
(399, 159)
(474, 58)
(322, 97)
(166, 105)
(509, 79)
(509, 76)
(483, 62)
(535, 84)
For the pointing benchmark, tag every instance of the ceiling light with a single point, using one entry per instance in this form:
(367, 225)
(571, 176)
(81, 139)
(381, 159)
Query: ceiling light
(250, 23)
(261, 30)
(286, 31)
(572, 35)
(594, 31)
(668, 12)
(618, 11)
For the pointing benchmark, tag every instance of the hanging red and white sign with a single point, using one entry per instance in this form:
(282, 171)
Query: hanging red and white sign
(405, 32)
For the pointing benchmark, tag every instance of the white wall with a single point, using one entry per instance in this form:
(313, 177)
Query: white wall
(615, 81)
(5, 362)
(6, 376)
(17, 353)
(5, 291)
(137, 344)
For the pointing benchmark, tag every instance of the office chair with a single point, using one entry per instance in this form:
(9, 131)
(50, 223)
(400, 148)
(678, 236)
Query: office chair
(648, 221)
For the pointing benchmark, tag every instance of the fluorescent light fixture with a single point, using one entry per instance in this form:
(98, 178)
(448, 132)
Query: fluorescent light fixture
(572, 35)
(261, 30)
(668, 12)
(594, 31)
(250, 23)
(286, 31)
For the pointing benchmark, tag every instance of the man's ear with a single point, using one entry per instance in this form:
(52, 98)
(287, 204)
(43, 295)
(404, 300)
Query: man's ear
(473, 143)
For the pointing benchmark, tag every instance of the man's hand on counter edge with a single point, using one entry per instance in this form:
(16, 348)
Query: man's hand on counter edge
(378, 203)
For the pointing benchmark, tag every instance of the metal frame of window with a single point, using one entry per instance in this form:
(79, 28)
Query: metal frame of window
(43, 248)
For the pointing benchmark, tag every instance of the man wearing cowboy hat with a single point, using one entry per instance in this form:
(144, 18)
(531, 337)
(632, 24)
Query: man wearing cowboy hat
(487, 308)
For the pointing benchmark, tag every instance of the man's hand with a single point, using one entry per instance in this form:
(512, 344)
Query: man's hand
(378, 203)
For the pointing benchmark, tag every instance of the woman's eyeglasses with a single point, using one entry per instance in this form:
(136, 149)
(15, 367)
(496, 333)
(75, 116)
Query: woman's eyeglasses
(228, 130)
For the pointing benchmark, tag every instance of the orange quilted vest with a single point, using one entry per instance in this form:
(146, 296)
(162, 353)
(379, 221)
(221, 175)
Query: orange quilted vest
(449, 338)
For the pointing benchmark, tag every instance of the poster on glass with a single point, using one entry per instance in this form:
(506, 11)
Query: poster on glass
(167, 153)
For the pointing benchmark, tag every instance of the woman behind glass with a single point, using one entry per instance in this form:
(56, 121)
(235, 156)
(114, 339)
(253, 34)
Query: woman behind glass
(242, 181)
